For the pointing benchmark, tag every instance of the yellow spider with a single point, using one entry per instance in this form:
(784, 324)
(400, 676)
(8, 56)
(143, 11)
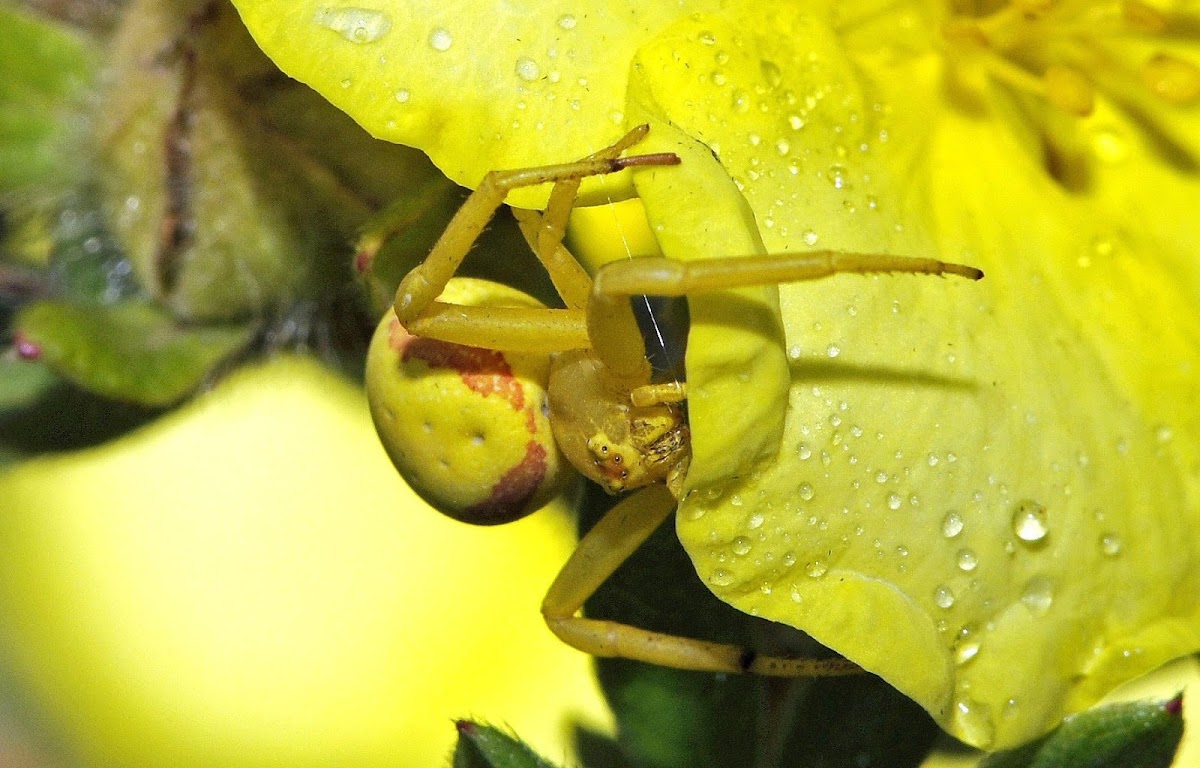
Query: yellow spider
(609, 419)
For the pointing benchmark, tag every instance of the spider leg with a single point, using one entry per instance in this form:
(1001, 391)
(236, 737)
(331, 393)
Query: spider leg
(599, 553)
(527, 330)
(658, 276)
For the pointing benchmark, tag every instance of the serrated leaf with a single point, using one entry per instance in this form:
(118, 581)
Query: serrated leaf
(131, 352)
(484, 746)
(1131, 735)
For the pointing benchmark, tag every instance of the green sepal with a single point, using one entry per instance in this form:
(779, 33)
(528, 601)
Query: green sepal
(132, 352)
(484, 746)
(1140, 734)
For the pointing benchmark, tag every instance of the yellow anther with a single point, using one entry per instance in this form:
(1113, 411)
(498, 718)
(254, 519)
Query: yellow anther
(1142, 18)
(1172, 79)
(1068, 90)
(964, 32)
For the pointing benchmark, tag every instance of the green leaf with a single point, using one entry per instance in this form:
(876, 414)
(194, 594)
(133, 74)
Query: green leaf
(45, 68)
(1139, 734)
(483, 746)
(22, 381)
(132, 352)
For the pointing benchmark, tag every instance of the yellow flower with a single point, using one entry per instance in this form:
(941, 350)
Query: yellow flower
(988, 493)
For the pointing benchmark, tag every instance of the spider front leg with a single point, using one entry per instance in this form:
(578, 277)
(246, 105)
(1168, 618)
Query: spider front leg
(509, 328)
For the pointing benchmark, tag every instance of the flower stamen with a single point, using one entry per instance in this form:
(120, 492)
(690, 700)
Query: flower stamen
(1065, 52)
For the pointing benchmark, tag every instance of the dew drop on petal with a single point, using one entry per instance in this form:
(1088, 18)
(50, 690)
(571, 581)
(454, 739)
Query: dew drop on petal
(894, 501)
(1029, 523)
(1110, 544)
(952, 524)
(975, 720)
(720, 578)
(967, 559)
(943, 597)
(965, 650)
(402, 96)
(566, 21)
(1038, 595)
(440, 39)
(806, 491)
(816, 569)
(741, 545)
(358, 25)
(527, 69)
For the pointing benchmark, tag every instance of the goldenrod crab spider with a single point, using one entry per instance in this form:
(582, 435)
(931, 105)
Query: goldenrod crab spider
(612, 423)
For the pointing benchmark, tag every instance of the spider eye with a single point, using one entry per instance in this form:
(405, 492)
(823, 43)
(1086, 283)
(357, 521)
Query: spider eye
(463, 425)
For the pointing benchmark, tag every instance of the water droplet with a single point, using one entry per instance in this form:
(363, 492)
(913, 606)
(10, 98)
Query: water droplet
(782, 147)
(805, 452)
(718, 78)
(708, 38)
(952, 524)
(1110, 544)
(810, 237)
(789, 559)
(965, 650)
(1163, 434)
(833, 350)
(527, 69)
(358, 25)
(967, 559)
(816, 569)
(806, 491)
(894, 501)
(741, 545)
(975, 721)
(566, 22)
(881, 477)
(741, 99)
(755, 521)
(796, 122)
(943, 598)
(1038, 595)
(720, 578)
(771, 73)
(837, 176)
(402, 95)
(440, 39)
(347, 83)
(1029, 521)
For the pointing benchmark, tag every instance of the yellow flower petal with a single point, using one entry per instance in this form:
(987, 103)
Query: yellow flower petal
(248, 582)
(986, 493)
(477, 85)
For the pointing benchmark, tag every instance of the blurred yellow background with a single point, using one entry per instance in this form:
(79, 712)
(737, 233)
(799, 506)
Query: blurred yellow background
(248, 582)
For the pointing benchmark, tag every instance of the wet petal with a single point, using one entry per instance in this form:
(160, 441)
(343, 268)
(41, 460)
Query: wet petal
(477, 86)
(995, 477)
